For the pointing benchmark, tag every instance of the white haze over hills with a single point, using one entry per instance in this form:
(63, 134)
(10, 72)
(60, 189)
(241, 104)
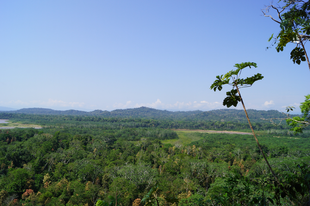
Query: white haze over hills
(202, 105)
(48, 110)
(7, 109)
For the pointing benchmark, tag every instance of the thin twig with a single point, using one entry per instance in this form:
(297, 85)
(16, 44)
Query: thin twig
(279, 12)
(271, 17)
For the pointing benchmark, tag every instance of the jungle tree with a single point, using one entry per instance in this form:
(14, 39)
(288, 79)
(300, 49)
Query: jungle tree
(294, 20)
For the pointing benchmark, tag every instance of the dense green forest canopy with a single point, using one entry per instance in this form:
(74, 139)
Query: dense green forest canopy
(212, 120)
(96, 160)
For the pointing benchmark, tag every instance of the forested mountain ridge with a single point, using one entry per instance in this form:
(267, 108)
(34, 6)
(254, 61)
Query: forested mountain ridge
(142, 112)
(239, 116)
(150, 113)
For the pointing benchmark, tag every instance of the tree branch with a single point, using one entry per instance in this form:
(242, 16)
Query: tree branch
(271, 17)
(279, 12)
(304, 37)
(303, 46)
(301, 122)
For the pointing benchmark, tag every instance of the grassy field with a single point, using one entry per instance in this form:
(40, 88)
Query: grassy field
(10, 124)
(188, 136)
(220, 138)
(185, 137)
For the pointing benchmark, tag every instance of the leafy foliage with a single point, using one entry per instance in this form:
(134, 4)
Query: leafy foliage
(294, 21)
(232, 98)
(298, 123)
(298, 55)
(233, 78)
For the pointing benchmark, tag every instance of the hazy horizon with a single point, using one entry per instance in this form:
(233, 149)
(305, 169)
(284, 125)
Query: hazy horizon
(11, 109)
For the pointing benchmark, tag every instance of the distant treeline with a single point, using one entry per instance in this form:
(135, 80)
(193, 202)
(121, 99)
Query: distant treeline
(231, 115)
(213, 120)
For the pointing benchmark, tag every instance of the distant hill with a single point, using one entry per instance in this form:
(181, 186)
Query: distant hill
(145, 112)
(227, 115)
(49, 111)
(235, 115)
(142, 112)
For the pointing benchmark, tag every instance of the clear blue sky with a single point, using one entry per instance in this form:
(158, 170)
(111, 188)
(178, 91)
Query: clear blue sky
(102, 54)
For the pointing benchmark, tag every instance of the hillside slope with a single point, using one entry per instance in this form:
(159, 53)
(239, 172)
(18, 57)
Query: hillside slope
(224, 115)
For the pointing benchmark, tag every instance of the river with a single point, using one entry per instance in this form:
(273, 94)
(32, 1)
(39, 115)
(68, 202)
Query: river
(2, 121)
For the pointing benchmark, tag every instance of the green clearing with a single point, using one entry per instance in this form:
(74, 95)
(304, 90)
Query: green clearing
(18, 125)
(185, 138)
(188, 136)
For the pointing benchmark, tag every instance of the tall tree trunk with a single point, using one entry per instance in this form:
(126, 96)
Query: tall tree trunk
(246, 114)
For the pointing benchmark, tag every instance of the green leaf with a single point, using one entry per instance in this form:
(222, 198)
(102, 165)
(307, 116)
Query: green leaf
(298, 55)
(251, 80)
(232, 98)
(270, 38)
(218, 83)
(245, 64)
